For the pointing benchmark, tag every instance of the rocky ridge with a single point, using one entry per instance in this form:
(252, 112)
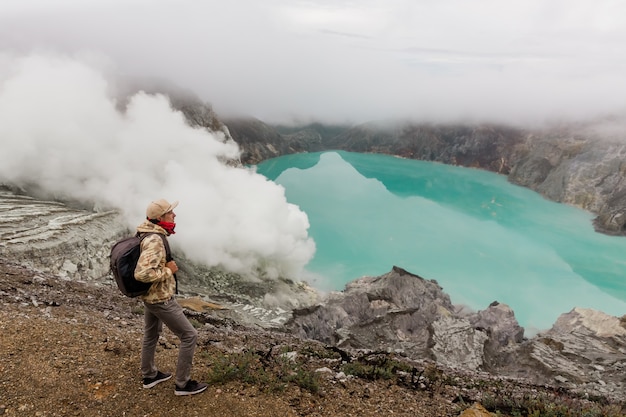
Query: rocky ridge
(584, 351)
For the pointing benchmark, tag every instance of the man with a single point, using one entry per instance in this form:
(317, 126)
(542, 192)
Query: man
(160, 302)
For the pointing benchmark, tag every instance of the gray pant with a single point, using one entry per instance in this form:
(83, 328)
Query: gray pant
(170, 313)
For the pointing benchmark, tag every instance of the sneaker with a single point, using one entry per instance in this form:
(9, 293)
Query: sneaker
(190, 388)
(160, 377)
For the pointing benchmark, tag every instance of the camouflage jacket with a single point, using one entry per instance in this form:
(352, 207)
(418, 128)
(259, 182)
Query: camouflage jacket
(151, 266)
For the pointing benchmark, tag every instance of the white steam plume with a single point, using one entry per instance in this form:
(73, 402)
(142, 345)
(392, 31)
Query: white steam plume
(61, 131)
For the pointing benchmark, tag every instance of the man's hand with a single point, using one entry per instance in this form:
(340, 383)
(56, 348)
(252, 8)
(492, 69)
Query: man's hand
(172, 266)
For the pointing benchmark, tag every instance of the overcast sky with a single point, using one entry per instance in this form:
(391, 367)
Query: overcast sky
(519, 60)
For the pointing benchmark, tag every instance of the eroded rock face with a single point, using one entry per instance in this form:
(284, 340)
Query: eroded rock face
(55, 238)
(456, 344)
(585, 350)
(584, 171)
(400, 311)
(503, 331)
(391, 312)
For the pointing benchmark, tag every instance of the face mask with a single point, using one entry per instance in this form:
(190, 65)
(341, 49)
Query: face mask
(168, 226)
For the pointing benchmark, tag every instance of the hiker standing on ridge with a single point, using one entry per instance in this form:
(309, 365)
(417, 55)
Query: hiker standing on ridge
(160, 303)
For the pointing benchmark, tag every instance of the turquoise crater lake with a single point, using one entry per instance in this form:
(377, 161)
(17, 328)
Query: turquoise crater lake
(482, 238)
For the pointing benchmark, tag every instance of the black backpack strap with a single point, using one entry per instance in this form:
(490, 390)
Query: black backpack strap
(168, 252)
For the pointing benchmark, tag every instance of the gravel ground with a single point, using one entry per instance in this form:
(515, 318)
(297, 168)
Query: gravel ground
(72, 349)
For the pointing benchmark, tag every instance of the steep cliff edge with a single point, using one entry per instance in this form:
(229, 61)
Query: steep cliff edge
(582, 169)
(584, 351)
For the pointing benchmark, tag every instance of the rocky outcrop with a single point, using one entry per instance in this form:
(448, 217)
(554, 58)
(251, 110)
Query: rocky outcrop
(585, 350)
(392, 312)
(586, 171)
(503, 331)
(400, 311)
(55, 238)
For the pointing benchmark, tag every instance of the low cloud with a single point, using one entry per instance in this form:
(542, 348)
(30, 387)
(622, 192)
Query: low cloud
(339, 61)
(62, 131)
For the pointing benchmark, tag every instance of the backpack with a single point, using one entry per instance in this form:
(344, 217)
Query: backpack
(124, 256)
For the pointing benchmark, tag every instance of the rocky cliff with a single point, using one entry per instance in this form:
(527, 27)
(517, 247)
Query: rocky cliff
(582, 165)
(401, 312)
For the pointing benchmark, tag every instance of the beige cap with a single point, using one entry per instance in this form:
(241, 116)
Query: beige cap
(158, 208)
